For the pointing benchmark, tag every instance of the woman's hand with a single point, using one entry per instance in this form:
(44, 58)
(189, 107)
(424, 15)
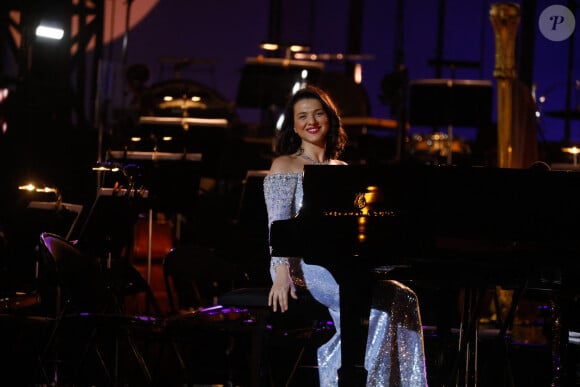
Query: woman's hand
(280, 288)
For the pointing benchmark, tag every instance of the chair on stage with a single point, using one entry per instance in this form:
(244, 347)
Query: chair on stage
(197, 327)
(90, 330)
(195, 276)
(22, 333)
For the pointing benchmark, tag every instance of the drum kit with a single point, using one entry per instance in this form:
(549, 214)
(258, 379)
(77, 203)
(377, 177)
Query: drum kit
(436, 147)
(446, 103)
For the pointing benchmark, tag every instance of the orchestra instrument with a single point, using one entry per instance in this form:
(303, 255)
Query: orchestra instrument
(505, 19)
(447, 103)
(471, 227)
(175, 97)
(436, 147)
(175, 118)
(172, 180)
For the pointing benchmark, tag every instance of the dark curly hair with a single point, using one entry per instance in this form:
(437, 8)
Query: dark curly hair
(288, 141)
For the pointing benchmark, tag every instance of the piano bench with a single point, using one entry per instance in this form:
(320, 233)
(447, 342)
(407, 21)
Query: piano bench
(245, 298)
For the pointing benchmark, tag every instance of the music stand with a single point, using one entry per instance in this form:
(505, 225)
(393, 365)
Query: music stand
(108, 226)
(172, 180)
(69, 211)
(449, 103)
(30, 221)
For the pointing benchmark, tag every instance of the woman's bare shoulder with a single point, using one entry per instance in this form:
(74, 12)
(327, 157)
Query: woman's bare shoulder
(286, 164)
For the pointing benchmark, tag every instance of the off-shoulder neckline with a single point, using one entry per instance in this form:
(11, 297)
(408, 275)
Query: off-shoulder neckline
(282, 174)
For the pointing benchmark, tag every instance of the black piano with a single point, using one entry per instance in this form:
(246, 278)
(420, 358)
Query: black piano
(477, 226)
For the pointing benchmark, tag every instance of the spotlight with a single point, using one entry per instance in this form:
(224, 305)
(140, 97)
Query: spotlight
(49, 31)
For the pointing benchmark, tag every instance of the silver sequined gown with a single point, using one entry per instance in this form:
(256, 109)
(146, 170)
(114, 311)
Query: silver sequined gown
(395, 352)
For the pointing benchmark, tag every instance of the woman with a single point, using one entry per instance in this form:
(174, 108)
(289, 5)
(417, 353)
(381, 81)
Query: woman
(312, 134)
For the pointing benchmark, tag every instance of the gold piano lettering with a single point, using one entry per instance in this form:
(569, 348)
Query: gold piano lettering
(366, 214)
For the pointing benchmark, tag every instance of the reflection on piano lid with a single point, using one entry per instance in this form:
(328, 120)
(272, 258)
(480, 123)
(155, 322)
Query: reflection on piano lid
(141, 155)
(191, 121)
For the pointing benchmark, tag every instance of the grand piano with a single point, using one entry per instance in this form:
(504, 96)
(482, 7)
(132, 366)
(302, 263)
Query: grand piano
(473, 226)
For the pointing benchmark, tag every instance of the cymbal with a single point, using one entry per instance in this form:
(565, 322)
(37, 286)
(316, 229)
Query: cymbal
(192, 121)
(573, 114)
(182, 104)
(332, 57)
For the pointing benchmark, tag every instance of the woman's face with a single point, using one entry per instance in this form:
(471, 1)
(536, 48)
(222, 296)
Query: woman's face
(311, 122)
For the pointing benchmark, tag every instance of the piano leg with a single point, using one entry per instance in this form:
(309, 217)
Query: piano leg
(562, 374)
(465, 367)
(355, 301)
(464, 370)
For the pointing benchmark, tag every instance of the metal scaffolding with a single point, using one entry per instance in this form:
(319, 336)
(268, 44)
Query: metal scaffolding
(68, 69)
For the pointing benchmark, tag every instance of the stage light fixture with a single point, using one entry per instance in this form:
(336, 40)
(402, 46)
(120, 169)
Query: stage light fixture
(49, 31)
(289, 48)
(299, 48)
(41, 191)
(269, 46)
(31, 187)
(106, 167)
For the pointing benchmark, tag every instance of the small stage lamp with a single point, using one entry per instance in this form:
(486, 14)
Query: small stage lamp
(48, 31)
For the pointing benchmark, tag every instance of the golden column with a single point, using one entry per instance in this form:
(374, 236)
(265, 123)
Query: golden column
(505, 19)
